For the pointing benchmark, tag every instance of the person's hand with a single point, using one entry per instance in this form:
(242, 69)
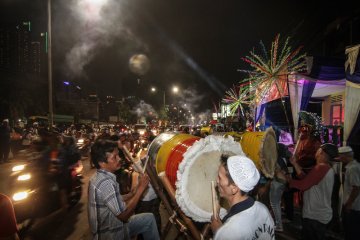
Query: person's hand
(281, 175)
(143, 182)
(288, 178)
(120, 145)
(215, 223)
(142, 153)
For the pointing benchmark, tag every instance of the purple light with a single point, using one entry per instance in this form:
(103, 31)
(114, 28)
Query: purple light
(66, 83)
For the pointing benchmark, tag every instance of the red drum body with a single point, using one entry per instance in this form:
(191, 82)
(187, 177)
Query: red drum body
(191, 163)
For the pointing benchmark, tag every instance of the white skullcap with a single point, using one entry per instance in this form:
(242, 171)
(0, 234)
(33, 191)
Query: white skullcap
(243, 171)
(345, 149)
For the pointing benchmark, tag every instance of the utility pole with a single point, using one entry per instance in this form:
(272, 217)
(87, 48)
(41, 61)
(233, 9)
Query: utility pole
(51, 111)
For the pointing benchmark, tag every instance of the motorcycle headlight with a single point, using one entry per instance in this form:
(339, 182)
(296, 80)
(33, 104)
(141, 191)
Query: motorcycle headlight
(18, 168)
(24, 177)
(142, 132)
(80, 141)
(20, 196)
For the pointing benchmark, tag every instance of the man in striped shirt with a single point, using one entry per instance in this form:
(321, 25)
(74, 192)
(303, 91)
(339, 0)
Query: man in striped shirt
(109, 216)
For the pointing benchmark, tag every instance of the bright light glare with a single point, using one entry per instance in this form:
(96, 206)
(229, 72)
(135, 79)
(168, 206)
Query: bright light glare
(18, 168)
(24, 177)
(95, 3)
(175, 89)
(81, 140)
(91, 9)
(20, 196)
(153, 89)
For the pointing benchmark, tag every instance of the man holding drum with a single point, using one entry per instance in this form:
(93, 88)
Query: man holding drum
(109, 216)
(247, 218)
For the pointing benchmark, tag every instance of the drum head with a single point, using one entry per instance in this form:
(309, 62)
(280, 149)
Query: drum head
(261, 148)
(268, 153)
(198, 168)
(205, 171)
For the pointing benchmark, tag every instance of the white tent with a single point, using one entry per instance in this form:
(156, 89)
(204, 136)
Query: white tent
(328, 87)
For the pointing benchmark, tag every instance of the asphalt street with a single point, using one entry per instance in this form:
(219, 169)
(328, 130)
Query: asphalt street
(73, 224)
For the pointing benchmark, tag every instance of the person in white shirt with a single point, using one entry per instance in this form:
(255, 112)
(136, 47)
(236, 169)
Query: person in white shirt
(247, 218)
(351, 193)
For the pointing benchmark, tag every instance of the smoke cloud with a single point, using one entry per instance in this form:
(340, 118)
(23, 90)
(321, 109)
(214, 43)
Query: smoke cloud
(96, 25)
(144, 110)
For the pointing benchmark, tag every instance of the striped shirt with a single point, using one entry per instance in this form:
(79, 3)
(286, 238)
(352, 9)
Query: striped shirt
(105, 203)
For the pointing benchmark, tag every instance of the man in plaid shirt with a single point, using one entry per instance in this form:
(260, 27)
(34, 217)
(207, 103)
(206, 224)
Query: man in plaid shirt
(109, 216)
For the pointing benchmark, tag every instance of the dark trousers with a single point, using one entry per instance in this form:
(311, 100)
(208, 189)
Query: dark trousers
(4, 151)
(150, 207)
(312, 229)
(351, 224)
(288, 197)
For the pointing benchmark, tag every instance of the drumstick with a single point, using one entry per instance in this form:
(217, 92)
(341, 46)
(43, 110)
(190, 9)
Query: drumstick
(171, 191)
(214, 200)
(146, 161)
(138, 155)
(137, 164)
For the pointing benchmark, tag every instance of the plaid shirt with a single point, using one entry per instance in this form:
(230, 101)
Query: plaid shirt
(105, 203)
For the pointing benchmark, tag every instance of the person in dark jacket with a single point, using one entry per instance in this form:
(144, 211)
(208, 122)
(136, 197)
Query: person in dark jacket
(5, 131)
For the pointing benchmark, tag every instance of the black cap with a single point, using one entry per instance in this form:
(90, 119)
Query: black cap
(330, 149)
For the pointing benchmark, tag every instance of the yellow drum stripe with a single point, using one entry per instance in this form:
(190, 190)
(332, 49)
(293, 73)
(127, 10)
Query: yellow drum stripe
(166, 148)
(251, 144)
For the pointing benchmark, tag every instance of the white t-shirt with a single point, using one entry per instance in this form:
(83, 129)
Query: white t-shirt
(250, 224)
(352, 178)
(150, 194)
(317, 199)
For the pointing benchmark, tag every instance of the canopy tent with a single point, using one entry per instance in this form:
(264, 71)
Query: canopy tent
(302, 88)
(328, 76)
(352, 93)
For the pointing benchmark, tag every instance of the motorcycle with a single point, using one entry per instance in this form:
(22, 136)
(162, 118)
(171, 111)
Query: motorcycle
(84, 145)
(36, 194)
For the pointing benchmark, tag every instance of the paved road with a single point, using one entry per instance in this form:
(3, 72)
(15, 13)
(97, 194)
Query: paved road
(73, 224)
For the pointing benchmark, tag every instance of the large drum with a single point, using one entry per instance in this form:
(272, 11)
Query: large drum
(191, 163)
(261, 148)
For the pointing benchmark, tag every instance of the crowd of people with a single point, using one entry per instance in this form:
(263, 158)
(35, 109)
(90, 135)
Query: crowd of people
(122, 204)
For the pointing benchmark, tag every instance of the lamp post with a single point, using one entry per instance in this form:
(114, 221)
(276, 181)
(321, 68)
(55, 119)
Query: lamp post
(51, 110)
(175, 90)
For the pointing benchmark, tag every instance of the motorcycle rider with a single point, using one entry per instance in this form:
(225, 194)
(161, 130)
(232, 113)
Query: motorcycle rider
(5, 131)
(68, 155)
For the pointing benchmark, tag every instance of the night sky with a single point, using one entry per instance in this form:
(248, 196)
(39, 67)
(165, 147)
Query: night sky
(194, 44)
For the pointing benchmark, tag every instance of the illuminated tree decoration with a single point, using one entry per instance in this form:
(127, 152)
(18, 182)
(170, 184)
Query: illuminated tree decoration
(237, 98)
(270, 70)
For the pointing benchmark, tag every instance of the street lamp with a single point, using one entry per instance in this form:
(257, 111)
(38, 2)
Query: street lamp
(175, 90)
